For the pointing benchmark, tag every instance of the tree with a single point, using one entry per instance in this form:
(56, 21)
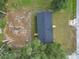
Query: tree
(34, 50)
(3, 5)
(58, 4)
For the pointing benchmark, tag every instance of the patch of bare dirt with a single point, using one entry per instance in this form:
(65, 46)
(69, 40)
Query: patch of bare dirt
(18, 28)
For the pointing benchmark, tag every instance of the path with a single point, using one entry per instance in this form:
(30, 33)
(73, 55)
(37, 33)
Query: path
(77, 29)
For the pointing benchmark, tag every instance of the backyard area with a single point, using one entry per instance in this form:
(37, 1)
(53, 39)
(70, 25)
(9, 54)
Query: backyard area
(63, 34)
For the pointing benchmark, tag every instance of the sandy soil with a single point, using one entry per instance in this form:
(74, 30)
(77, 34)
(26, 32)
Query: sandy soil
(18, 29)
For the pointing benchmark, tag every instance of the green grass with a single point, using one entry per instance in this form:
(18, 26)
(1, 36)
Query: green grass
(1, 37)
(2, 25)
(34, 4)
(2, 22)
(72, 8)
(64, 34)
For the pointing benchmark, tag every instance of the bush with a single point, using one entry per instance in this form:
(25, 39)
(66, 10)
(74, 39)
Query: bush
(3, 5)
(2, 23)
(58, 4)
(35, 50)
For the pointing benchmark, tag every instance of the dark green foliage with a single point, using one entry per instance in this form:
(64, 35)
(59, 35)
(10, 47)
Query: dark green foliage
(2, 9)
(48, 51)
(58, 4)
(5, 52)
(34, 50)
(2, 23)
(73, 8)
(3, 5)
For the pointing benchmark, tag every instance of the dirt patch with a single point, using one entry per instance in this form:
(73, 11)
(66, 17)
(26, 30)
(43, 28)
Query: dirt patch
(18, 29)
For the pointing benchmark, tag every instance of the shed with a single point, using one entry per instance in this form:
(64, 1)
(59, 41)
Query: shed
(44, 26)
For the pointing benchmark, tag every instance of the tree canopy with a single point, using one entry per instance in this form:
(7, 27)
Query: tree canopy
(58, 4)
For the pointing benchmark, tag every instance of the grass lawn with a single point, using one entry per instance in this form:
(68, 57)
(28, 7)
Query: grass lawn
(2, 25)
(33, 4)
(72, 8)
(1, 37)
(64, 34)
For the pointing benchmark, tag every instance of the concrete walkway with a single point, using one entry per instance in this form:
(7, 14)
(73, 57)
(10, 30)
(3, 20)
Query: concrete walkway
(77, 13)
(73, 56)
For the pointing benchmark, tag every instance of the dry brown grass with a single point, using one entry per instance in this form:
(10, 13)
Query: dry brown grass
(18, 27)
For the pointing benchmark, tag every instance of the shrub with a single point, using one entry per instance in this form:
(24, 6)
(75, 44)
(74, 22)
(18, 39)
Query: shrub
(3, 5)
(35, 50)
(58, 4)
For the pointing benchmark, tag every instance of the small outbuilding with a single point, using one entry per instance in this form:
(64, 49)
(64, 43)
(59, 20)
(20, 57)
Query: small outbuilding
(44, 26)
